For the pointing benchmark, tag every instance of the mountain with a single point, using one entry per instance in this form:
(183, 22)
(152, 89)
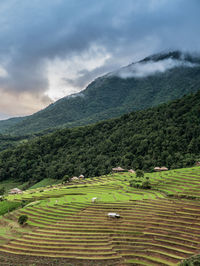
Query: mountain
(154, 80)
(4, 124)
(166, 135)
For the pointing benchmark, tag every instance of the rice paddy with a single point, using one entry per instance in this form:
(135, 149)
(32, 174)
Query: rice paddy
(160, 226)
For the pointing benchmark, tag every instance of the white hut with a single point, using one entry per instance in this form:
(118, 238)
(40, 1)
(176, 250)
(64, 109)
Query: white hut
(113, 215)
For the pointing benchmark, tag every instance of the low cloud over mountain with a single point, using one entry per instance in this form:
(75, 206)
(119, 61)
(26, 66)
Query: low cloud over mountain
(150, 67)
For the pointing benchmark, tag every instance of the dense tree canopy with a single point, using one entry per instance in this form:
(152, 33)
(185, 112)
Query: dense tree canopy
(165, 135)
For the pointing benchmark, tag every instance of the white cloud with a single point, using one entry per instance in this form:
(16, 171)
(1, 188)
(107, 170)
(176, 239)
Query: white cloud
(144, 69)
(61, 71)
(3, 72)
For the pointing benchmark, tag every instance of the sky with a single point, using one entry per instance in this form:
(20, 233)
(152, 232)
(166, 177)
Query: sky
(53, 48)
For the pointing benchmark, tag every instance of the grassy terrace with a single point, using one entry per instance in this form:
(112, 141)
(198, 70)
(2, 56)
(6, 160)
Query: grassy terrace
(63, 224)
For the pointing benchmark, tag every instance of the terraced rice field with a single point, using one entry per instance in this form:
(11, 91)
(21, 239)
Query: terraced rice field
(153, 229)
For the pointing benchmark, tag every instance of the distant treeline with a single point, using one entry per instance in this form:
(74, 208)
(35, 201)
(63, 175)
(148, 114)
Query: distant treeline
(166, 135)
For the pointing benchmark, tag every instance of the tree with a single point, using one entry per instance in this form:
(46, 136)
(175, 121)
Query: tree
(139, 173)
(22, 219)
(2, 190)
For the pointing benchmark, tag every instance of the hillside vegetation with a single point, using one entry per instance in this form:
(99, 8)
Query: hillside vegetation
(165, 135)
(111, 95)
(65, 227)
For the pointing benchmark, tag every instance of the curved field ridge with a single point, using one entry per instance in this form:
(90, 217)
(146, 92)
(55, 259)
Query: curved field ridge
(65, 227)
(149, 232)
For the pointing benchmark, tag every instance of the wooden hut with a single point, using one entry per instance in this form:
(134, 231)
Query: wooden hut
(74, 178)
(15, 191)
(163, 168)
(157, 169)
(118, 169)
(131, 171)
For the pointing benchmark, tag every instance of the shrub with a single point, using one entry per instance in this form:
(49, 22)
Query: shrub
(22, 219)
(2, 190)
(139, 173)
(146, 185)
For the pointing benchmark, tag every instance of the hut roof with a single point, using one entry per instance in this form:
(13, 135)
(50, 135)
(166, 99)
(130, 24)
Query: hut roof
(74, 178)
(163, 168)
(157, 169)
(131, 171)
(118, 169)
(15, 191)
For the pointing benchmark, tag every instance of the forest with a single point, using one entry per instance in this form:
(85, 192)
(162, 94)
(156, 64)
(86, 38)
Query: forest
(167, 135)
(110, 96)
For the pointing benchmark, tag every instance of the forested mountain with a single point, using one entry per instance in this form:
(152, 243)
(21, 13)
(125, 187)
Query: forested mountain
(165, 135)
(5, 124)
(154, 80)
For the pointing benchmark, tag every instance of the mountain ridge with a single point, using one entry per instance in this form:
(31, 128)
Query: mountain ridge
(168, 134)
(111, 95)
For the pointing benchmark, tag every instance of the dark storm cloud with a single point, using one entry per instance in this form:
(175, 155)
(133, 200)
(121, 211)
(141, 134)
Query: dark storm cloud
(34, 31)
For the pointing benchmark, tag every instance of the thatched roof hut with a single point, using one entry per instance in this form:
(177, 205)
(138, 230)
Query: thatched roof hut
(15, 191)
(81, 176)
(163, 168)
(157, 169)
(118, 169)
(74, 178)
(131, 171)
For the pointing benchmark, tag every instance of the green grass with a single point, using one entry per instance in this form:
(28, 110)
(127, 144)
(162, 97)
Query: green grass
(8, 206)
(45, 182)
(63, 215)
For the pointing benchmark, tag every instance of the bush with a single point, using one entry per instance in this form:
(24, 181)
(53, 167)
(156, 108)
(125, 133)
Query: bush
(22, 219)
(138, 184)
(2, 190)
(146, 185)
(139, 173)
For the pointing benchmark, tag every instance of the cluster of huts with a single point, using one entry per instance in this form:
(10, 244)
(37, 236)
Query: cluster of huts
(76, 178)
(156, 169)
(120, 170)
(160, 169)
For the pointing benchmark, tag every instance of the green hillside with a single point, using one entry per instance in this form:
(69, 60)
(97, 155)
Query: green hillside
(111, 95)
(5, 124)
(165, 135)
(64, 227)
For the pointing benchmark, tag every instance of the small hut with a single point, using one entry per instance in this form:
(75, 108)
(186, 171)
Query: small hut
(131, 171)
(157, 169)
(15, 191)
(81, 177)
(118, 169)
(197, 163)
(163, 168)
(74, 178)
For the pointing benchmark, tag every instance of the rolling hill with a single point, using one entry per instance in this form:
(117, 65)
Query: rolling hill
(165, 135)
(154, 80)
